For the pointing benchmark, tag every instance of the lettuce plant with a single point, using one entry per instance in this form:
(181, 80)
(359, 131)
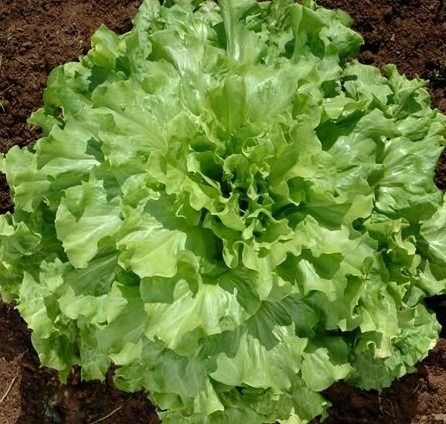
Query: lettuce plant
(232, 210)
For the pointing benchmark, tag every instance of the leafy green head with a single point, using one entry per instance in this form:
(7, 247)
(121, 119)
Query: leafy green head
(232, 210)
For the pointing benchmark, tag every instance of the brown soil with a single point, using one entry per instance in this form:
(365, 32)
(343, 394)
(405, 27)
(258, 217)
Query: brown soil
(35, 36)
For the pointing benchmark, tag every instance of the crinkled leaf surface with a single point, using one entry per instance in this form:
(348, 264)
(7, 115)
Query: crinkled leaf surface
(232, 210)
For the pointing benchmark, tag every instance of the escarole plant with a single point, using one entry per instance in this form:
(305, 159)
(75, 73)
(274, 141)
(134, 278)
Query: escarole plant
(231, 210)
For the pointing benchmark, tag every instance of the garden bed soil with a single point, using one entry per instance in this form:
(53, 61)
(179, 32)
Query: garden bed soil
(37, 36)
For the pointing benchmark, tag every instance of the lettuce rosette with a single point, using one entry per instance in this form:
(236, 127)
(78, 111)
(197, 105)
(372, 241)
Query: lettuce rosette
(231, 210)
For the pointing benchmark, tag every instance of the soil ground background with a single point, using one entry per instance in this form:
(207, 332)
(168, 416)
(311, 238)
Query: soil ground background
(35, 36)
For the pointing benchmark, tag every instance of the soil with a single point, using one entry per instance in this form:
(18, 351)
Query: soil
(35, 36)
